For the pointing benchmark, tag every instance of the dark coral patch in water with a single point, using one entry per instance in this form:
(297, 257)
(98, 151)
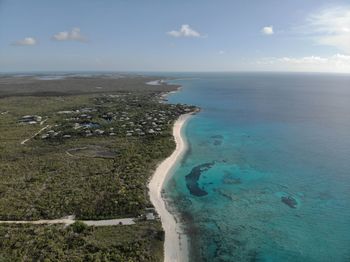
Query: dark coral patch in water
(217, 139)
(289, 201)
(193, 177)
(217, 142)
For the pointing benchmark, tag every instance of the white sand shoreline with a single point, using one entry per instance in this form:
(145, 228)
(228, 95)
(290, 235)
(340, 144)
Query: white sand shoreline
(175, 244)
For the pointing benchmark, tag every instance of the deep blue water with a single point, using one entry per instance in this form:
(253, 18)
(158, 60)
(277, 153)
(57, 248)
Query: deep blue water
(267, 173)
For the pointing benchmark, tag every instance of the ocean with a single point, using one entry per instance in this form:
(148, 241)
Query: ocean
(267, 173)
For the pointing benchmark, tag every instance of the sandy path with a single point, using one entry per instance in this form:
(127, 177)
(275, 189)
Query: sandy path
(37, 133)
(70, 220)
(175, 245)
(110, 222)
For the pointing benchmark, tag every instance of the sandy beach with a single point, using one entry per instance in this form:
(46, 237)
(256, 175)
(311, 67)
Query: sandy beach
(175, 246)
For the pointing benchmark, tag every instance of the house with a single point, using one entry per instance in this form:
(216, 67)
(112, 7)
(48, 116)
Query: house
(30, 119)
(99, 132)
(150, 216)
(65, 112)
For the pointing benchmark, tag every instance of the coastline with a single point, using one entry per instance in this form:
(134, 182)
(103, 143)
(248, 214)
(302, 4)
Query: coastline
(175, 243)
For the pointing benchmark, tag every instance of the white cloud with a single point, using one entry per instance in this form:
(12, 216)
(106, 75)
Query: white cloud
(26, 41)
(267, 30)
(185, 31)
(334, 63)
(221, 52)
(303, 60)
(330, 26)
(73, 35)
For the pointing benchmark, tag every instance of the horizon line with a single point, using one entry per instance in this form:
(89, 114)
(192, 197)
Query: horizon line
(165, 71)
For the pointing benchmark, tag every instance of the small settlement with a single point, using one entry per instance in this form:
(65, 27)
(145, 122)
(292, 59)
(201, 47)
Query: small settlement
(111, 115)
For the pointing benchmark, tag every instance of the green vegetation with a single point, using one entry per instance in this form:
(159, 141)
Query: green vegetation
(140, 242)
(68, 148)
(94, 159)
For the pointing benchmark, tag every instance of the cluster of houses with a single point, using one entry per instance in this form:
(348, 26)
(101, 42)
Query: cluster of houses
(83, 113)
(98, 121)
(52, 134)
(152, 122)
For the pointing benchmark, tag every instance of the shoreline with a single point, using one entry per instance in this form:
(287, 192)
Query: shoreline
(175, 243)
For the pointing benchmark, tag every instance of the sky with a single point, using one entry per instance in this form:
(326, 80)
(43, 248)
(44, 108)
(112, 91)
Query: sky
(181, 35)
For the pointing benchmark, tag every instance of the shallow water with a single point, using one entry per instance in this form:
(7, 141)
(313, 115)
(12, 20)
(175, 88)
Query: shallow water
(267, 174)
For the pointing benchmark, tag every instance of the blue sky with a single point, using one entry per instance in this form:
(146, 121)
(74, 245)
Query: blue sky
(162, 35)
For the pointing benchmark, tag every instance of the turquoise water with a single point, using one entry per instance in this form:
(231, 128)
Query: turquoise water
(267, 173)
